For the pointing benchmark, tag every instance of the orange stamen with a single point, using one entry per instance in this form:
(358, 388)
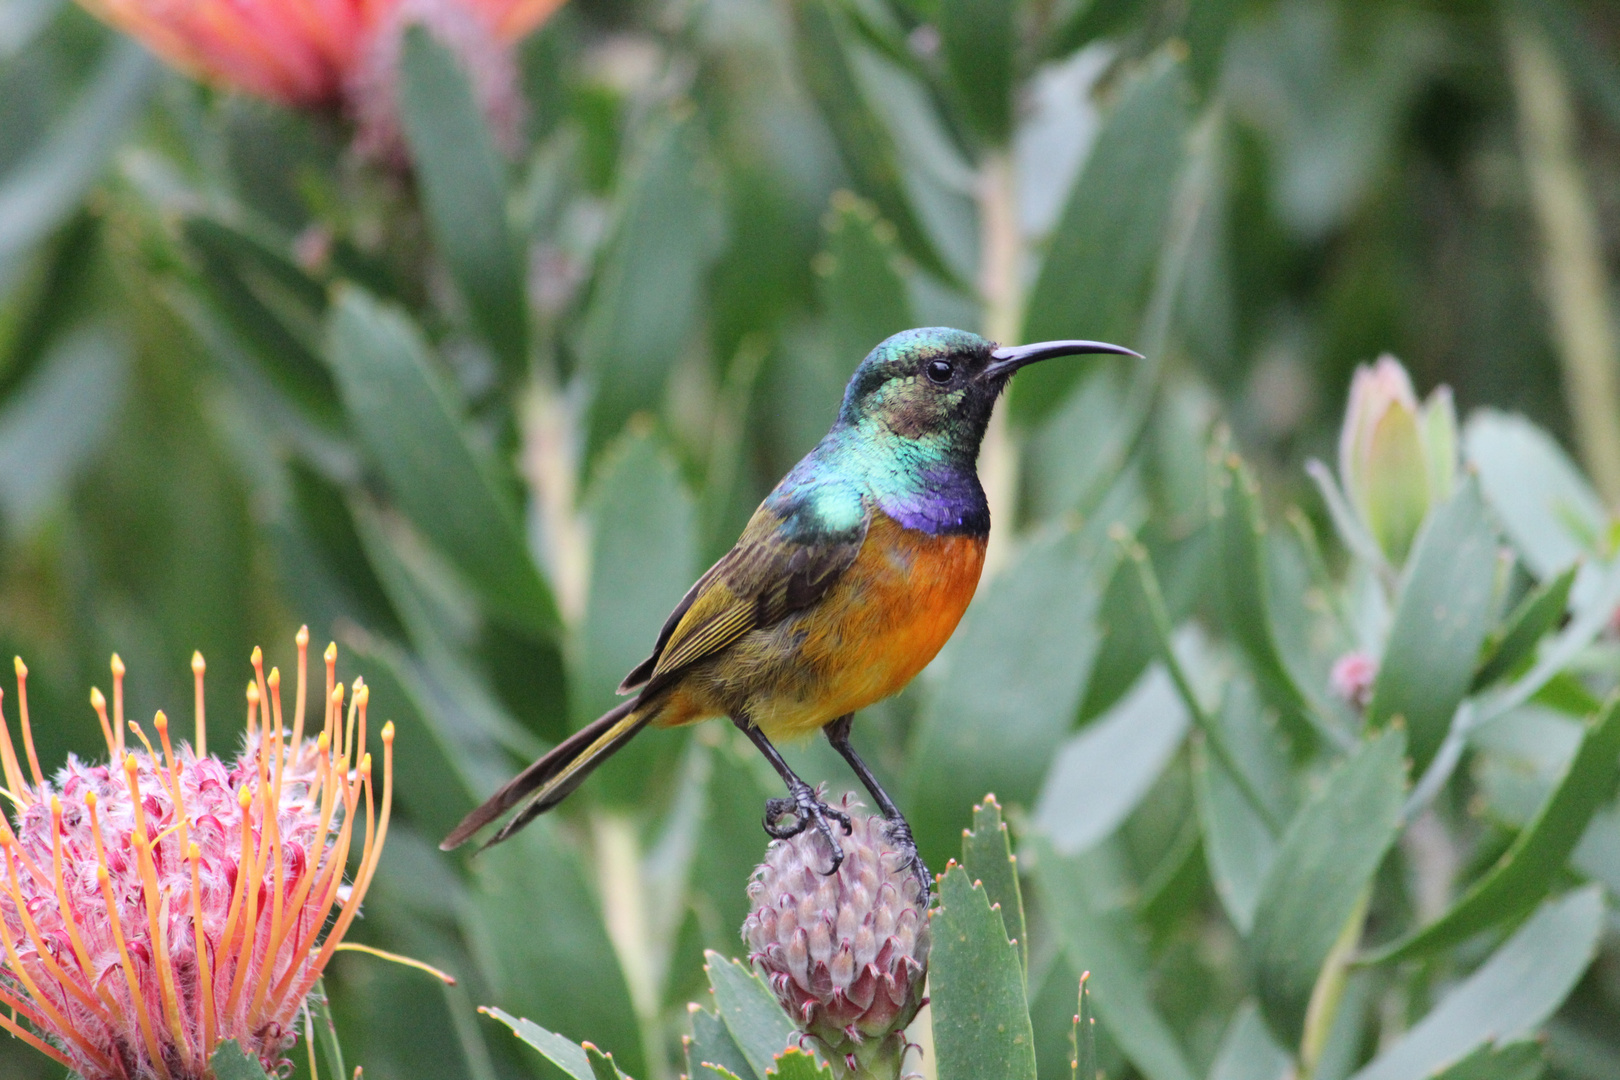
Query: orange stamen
(303, 686)
(331, 878)
(242, 900)
(46, 956)
(8, 760)
(98, 702)
(339, 744)
(157, 928)
(27, 731)
(118, 704)
(356, 750)
(142, 1017)
(198, 667)
(74, 937)
(205, 980)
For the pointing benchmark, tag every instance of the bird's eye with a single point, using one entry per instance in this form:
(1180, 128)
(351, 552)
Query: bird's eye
(940, 371)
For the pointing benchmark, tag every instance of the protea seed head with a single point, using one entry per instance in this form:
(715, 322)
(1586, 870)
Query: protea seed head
(846, 954)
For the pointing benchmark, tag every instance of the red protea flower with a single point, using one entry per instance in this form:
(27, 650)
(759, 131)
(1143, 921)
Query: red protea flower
(156, 906)
(847, 953)
(314, 53)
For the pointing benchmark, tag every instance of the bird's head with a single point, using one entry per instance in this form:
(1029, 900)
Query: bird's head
(936, 383)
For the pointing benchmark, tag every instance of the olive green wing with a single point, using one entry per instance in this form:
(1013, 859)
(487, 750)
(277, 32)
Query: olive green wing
(782, 563)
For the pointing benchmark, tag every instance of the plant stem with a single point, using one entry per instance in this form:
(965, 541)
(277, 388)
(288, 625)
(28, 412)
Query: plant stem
(1328, 993)
(1574, 280)
(624, 913)
(1001, 288)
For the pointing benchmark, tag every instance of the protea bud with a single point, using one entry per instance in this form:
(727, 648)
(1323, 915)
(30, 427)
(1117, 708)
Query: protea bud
(1396, 458)
(156, 906)
(846, 954)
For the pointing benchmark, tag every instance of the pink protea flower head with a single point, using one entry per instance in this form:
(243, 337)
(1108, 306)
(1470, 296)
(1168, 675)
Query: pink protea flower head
(309, 53)
(156, 906)
(847, 953)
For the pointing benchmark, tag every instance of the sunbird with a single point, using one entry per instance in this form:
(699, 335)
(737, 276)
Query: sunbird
(848, 579)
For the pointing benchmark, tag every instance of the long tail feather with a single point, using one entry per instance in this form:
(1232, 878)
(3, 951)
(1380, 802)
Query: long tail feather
(558, 772)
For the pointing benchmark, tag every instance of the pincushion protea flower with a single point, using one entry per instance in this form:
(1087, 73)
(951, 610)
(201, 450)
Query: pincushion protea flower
(846, 953)
(155, 906)
(315, 54)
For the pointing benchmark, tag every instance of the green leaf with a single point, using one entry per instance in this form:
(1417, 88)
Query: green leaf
(1248, 1051)
(1324, 865)
(1106, 943)
(644, 556)
(568, 1056)
(40, 192)
(861, 287)
(320, 1006)
(708, 1071)
(1508, 997)
(980, 48)
(750, 1011)
(1099, 262)
(602, 1067)
(976, 986)
(1085, 1035)
(230, 1063)
(822, 42)
(566, 977)
(1514, 1061)
(711, 1044)
(1545, 505)
(1238, 844)
(1100, 775)
(647, 296)
(464, 189)
(988, 858)
(796, 1064)
(1536, 616)
(1530, 867)
(1244, 594)
(1441, 618)
(1034, 624)
(410, 424)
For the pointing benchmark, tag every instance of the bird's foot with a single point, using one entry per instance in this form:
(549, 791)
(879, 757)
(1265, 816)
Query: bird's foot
(807, 808)
(900, 832)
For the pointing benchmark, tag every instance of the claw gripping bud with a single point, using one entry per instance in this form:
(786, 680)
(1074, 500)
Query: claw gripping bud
(846, 954)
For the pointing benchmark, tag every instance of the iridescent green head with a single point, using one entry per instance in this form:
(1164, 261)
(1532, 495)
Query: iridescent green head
(939, 384)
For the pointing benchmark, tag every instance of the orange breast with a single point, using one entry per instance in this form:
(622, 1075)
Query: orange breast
(888, 616)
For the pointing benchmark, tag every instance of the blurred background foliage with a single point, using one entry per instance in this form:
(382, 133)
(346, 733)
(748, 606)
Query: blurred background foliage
(482, 412)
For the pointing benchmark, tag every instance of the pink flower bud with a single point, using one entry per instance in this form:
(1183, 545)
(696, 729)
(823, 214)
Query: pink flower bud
(846, 954)
(1352, 678)
(153, 907)
(1397, 459)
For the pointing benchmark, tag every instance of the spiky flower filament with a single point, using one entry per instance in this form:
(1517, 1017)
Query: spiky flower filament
(155, 906)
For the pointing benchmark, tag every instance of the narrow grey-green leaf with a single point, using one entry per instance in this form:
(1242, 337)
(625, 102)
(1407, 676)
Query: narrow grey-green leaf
(1508, 997)
(464, 189)
(987, 855)
(980, 49)
(1441, 618)
(1085, 1035)
(1106, 943)
(567, 978)
(1248, 1052)
(796, 1064)
(566, 1055)
(750, 1011)
(1545, 505)
(711, 1044)
(861, 287)
(976, 986)
(1237, 843)
(1100, 774)
(1324, 864)
(1099, 262)
(38, 194)
(410, 424)
(1514, 1061)
(1524, 873)
(647, 296)
(230, 1063)
(864, 142)
(602, 1067)
(1535, 617)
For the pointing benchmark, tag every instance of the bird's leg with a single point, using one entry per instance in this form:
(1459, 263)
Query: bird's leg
(801, 802)
(899, 828)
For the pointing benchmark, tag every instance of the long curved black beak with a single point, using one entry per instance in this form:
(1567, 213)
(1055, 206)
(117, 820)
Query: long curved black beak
(1009, 358)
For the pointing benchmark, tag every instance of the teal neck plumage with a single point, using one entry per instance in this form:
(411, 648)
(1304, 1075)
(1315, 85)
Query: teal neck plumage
(908, 447)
